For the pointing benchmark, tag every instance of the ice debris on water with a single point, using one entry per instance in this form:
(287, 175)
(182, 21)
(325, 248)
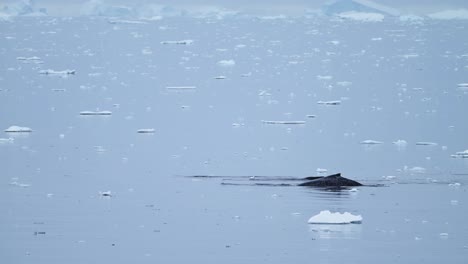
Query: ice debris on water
(226, 63)
(423, 143)
(18, 129)
(221, 77)
(105, 194)
(327, 217)
(461, 154)
(146, 131)
(370, 142)
(281, 122)
(335, 102)
(178, 42)
(63, 73)
(88, 113)
(181, 87)
(400, 143)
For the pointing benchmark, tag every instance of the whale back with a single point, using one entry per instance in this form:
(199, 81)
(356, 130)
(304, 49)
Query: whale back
(334, 180)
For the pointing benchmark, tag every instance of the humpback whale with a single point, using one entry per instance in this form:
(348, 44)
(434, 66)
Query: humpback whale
(334, 180)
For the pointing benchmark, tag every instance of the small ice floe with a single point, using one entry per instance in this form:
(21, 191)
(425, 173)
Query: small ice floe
(444, 235)
(324, 77)
(146, 131)
(95, 113)
(321, 171)
(33, 59)
(423, 143)
(18, 129)
(178, 42)
(282, 122)
(221, 77)
(454, 202)
(226, 63)
(400, 143)
(63, 73)
(122, 21)
(6, 140)
(327, 217)
(370, 142)
(105, 194)
(463, 86)
(461, 154)
(353, 190)
(388, 178)
(335, 102)
(181, 87)
(311, 116)
(415, 169)
(100, 149)
(246, 74)
(455, 184)
(18, 184)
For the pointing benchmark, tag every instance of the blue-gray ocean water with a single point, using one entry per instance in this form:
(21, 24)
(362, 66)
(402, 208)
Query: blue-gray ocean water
(206, 86)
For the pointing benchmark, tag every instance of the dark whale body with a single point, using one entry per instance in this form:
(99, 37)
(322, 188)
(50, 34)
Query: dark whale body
(334, 180)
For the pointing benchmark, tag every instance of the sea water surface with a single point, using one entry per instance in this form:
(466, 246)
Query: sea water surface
(90, 189)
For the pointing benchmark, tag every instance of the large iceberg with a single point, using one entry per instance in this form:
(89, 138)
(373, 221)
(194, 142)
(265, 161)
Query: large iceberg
(327, 217)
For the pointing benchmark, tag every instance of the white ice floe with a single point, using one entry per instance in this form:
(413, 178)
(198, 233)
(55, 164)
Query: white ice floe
(424, 143)
(327, 217)
(321, 171)
(283, 122)
(94, 113)
(181, 87)
(370, 142)
(461, 154)
(221, 77)
(400, 143)
(336, 102)
(226, 63)
(123, 21)
(33, 59)
(362, 16)
(146, 131)
(18, 129)
(57, 73)
(324, 77)
(178, 42)
(414, 169)
(105, 194)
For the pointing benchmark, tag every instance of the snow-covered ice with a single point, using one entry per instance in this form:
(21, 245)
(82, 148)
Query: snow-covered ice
(95, 113)
(370, 142)
(461, 154)
(18, 129)
(283, 122)
(327, 217)
(146, 130)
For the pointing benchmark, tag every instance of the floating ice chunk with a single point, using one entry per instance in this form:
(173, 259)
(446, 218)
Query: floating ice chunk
(311, 116)
(146, 131)
(415, 169)
(455, 184)
(370, 142)
(33, 59)
(336, 102)
(122, 21)
(57, 73)
(450, 14)
(400, 143)
(362, 16)
(461, 154)
(324, 77)
(181, 87)
(281, 122)
(226, 63)
(321, 171)
(6, 140)
(95, 113)
(422, 143)
(465, 85)
(105, 193)
(178, 42)
(18, 129)
(246, 74)
(221, 77)
(444, 235)
(327, 217)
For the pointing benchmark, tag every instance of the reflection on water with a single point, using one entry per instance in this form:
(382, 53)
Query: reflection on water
(337, 231)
